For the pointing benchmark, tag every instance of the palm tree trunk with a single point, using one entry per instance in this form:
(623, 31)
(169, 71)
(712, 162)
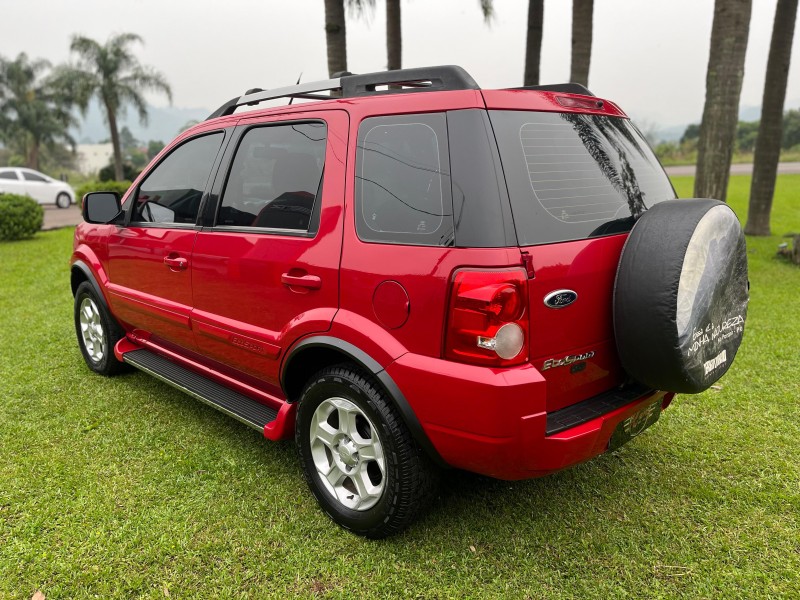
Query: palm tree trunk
(394, 39)
(32, 160)
(581, 40)
(768, 144)
(112, 125)
(533, 48)
(723, 86)
(336, 36)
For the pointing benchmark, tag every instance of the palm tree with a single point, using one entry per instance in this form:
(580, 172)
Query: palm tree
(394, 35)
(581, 40)
(729, 34)
(533, 47)
(336, 36)
(768, 143)
(336, 30)
(34, 113)
(113, 75)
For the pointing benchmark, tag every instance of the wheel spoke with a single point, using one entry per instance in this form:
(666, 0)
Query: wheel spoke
(371, 451)
(325, 434)
(335, 475)
(364, 487)
(346, 420)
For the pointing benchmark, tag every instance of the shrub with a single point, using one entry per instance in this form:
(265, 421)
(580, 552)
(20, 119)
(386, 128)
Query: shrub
(107, 172)
(20, 217)
(102, 186)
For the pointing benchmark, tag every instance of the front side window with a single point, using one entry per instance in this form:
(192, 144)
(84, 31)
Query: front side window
(403, 181)
(171, 193)
(275, 177)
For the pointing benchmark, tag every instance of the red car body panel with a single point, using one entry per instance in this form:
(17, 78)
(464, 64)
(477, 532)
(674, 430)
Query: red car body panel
(588, 268)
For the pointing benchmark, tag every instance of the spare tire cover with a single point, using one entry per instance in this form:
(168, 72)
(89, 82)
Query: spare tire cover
(681, 293)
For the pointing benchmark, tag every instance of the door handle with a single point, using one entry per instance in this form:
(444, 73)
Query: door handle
(176, 263)
(312, 282)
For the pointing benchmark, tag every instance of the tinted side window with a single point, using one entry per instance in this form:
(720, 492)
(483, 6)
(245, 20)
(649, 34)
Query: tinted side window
(32, 177)
(8, 175)
(275, 177)
(403, 180)
(171, 193)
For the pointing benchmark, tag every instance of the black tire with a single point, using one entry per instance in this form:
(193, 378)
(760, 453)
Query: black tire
(63, 200)
(681, 294)
(408, 480)
(97, 346)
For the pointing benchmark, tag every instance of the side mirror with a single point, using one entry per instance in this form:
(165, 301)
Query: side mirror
(101, 207)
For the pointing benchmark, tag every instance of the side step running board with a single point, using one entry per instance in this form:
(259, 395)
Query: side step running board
(240, 407)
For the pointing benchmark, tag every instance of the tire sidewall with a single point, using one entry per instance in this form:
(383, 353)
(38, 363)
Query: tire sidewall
(327, 386)
(61, 204)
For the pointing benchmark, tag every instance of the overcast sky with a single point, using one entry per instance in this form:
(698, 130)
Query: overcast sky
(649, 56)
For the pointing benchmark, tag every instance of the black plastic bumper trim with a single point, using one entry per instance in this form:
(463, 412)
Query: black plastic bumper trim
(596, 406)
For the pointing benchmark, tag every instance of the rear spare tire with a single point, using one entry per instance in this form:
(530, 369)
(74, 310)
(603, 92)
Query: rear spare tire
(681, 293)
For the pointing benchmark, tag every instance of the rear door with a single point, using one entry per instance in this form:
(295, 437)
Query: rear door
(150, 258)
(576, 183)
(267, 271)
(38, 188)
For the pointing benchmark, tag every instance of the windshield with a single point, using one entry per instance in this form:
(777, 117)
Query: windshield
(571, 176)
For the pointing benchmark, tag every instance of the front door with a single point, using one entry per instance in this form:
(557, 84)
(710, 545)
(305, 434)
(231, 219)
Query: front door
(267, 272)
(150, 260)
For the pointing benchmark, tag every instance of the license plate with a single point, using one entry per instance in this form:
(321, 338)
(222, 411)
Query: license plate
(635, 424)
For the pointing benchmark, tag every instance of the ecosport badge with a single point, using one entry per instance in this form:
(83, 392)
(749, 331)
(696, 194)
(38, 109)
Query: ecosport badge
(560, 298)
(567, 360)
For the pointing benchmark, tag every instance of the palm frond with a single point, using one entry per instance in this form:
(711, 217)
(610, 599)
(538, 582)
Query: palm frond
(487, 8)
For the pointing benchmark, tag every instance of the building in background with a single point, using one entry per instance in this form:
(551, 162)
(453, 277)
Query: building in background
(93, 157)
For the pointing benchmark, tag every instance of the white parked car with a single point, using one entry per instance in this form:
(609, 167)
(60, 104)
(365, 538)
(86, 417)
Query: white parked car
(40, 187)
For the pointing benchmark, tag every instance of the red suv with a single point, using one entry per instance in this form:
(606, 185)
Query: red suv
(411, 273)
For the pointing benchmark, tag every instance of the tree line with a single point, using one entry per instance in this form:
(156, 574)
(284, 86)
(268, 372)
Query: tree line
(37, 99)
(718, 129)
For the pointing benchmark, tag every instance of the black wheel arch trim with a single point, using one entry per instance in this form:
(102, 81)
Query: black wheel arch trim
(87, 271)
(373, 366)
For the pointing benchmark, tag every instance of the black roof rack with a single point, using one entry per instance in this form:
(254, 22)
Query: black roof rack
(564, 88)
(424, 79)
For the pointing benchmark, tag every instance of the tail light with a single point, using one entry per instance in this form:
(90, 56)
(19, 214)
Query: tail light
(487, 319)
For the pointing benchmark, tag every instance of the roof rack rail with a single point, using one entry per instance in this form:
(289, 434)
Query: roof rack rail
(424, 79)
(564, 88)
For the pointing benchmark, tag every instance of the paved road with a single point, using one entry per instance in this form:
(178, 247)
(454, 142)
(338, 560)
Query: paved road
(739, 169)
(55, 217)
(69, 217)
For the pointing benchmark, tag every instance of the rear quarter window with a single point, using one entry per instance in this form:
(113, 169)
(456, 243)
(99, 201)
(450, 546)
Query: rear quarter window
(573, 176)
(402, 181)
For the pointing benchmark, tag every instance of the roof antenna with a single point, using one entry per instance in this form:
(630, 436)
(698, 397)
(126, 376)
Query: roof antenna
(298, 83)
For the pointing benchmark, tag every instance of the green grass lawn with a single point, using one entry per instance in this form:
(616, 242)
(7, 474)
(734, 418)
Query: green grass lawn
(126, 488)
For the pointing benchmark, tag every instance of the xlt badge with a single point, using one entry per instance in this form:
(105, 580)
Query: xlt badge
(567, 360)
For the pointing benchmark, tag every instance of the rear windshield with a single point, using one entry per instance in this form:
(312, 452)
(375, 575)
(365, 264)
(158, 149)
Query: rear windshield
(572, 176)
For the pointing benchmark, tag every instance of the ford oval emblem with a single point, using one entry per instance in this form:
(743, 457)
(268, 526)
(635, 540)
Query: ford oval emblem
(560, 298)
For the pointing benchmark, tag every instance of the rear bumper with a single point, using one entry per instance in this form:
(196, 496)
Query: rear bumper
(494, 422)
